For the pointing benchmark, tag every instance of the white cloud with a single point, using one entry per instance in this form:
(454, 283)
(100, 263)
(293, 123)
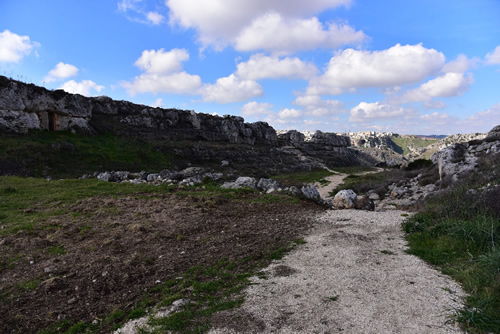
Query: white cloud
(395, 66)
(163, 74)
(125, 5)
(157, 103)
(83, 88)
(176, 83)
(493, 57)
(315, 106)
(365, 112)
(257, 110)
(221, 22)
(277, 34)
(155, 18)
(14, 47)
(161, 62)
(435, 104)
(231, 89)
(135, 11)
(439, 119)
(447, 85)
(289, 113)
(260, 66)
(460, 65)
(61, 71)
(484, 121)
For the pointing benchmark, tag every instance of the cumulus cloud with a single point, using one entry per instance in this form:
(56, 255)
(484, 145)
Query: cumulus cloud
(317, 107)
(83, 87)
(161, 62)
(398, 65)
(289, 113)
(14, 47)
(260, 66)
(365, 112)
(257, 110)
(61, 71)
(460, 65)
(163, 73)
(176, 83)
(277, 34)
(447, 85)
(231, 89)
(223, 22)
(493, 57)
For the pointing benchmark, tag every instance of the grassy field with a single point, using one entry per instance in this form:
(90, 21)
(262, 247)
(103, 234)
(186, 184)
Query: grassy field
(64, 155)
(57, 221)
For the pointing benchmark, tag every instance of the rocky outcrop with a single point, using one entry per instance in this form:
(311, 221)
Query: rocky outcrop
(372, 139)
(25, 106)
(329, 149)
(460, 158)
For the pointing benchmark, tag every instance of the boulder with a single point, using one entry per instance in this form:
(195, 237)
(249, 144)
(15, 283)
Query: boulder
(242, 181)
(311, 192)
(152, 177)
(344, 199)
(364, 203)
(295, 190)
(268, 184)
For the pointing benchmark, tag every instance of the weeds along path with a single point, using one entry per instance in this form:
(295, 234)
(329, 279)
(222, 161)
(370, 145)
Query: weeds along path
(351, 276)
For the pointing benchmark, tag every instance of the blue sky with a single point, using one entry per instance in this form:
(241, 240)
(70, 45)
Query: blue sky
(410, 67)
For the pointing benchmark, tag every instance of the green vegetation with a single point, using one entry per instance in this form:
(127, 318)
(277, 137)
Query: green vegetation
(354, 169)
(460, 233)
(300, 178)
(406, 141)
(378, 182)
(35, 200)
(63, 154)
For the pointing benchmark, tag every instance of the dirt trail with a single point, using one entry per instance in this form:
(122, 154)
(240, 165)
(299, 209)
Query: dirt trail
(352, 276)
(334, 181)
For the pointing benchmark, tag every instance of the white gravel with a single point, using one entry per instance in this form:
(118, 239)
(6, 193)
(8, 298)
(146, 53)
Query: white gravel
(352, 276)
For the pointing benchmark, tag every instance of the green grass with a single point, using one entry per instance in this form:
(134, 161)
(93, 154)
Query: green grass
(29, 285)
(36, 199)
(354, 169)
(27, 204)
(64, 155)
(301, 178)
(360, 184)
(461, 235)
(406, 141)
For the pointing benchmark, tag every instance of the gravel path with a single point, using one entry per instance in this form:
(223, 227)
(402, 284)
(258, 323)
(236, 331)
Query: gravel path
(352, 276)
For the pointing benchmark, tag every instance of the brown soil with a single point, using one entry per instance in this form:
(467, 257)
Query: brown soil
(105, 253)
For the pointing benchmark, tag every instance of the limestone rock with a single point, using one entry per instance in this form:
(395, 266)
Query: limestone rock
(344, 199)
(364, 203)
(311, 192)
(268, 184)
(242, 181)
